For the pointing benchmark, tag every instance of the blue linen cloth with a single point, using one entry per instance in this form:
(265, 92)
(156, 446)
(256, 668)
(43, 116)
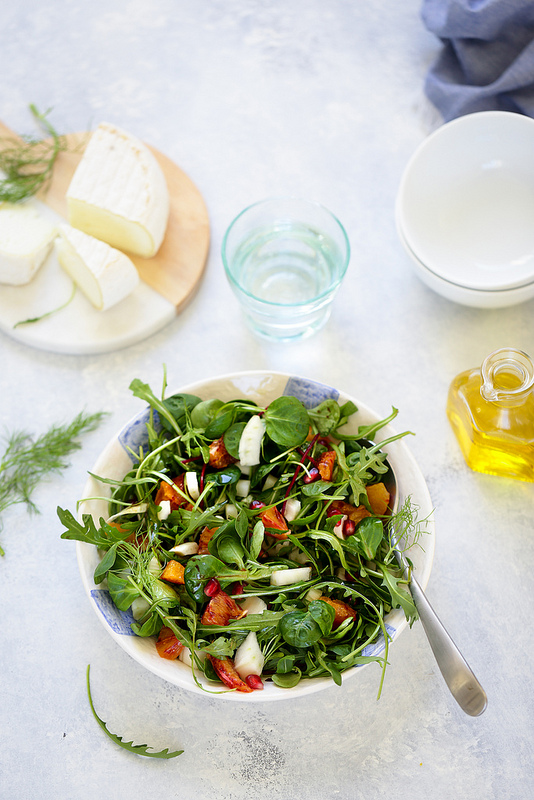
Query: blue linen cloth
(487, 59)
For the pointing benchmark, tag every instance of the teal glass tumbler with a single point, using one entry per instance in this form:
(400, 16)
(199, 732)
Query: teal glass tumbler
(285, 259)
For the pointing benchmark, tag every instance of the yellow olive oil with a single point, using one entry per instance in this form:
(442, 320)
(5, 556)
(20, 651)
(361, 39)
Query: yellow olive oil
(491, 410)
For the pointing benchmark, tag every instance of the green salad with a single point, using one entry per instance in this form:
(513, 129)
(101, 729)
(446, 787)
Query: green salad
(253, 543)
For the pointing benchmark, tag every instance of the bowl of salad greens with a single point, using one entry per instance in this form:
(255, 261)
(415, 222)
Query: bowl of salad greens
(235, 537)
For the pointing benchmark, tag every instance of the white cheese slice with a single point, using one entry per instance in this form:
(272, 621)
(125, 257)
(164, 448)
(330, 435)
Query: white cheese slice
(26, 239)
(118, 193)
(104, 274)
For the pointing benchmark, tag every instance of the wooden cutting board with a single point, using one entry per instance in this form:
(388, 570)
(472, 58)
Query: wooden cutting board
(176, 270)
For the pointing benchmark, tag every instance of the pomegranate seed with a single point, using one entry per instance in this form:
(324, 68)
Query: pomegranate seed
(212, 587)
(313, 475)
(333, 512)
(349, 526)
(237, 588)
(256, 504)
(254, 681)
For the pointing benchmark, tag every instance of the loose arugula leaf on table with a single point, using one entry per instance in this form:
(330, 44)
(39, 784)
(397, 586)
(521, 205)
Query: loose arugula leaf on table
(27, 460)
(138, 749)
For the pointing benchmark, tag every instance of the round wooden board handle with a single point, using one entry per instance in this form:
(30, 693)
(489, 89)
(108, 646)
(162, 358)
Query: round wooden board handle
(176, 270)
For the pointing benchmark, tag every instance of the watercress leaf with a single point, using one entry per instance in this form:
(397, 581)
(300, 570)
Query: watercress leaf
(220, 423)
(316, 488)
(228, 548)
(162, 593)
(370, 532)
(348, 409)
(260, 473)
(122, 591)
(299, 629)
(177, 405)
(224, 477)
(287, 421)
(285, 664)
(225, 528)
(232, 437)
(150, 627)
(241, 524)
(198, 571)
(325, 416)
(203, 413)
(323, 614)
(287, 680)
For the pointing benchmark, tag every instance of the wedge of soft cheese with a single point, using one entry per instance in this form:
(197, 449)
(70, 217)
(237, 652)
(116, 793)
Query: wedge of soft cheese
(26, 238)
(118, 193)
(104, 274)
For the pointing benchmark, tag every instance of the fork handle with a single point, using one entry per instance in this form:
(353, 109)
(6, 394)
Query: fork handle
(457, 673)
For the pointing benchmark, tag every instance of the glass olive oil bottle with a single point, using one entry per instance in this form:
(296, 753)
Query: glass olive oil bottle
(491, 410)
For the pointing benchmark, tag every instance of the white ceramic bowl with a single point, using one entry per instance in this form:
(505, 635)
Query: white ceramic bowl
(262, 387)
(465, 204)
(476, 298)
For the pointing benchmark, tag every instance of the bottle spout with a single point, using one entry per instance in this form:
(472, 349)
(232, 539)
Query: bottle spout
(507, 376)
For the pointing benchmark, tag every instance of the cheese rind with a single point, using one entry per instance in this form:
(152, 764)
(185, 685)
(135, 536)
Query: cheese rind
(118, 193)
(26, 239)
(104, 274)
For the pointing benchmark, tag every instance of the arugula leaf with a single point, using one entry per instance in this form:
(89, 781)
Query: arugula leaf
(138, 749)
(400, 596)
(87, 531)
(326, 416)
(144, 392)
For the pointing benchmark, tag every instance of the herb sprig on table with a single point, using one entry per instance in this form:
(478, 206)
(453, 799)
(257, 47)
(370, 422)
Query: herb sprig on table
(27, 161)
(27, 460)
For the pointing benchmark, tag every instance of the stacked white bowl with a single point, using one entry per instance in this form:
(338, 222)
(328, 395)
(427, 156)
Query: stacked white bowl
(465, 209)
